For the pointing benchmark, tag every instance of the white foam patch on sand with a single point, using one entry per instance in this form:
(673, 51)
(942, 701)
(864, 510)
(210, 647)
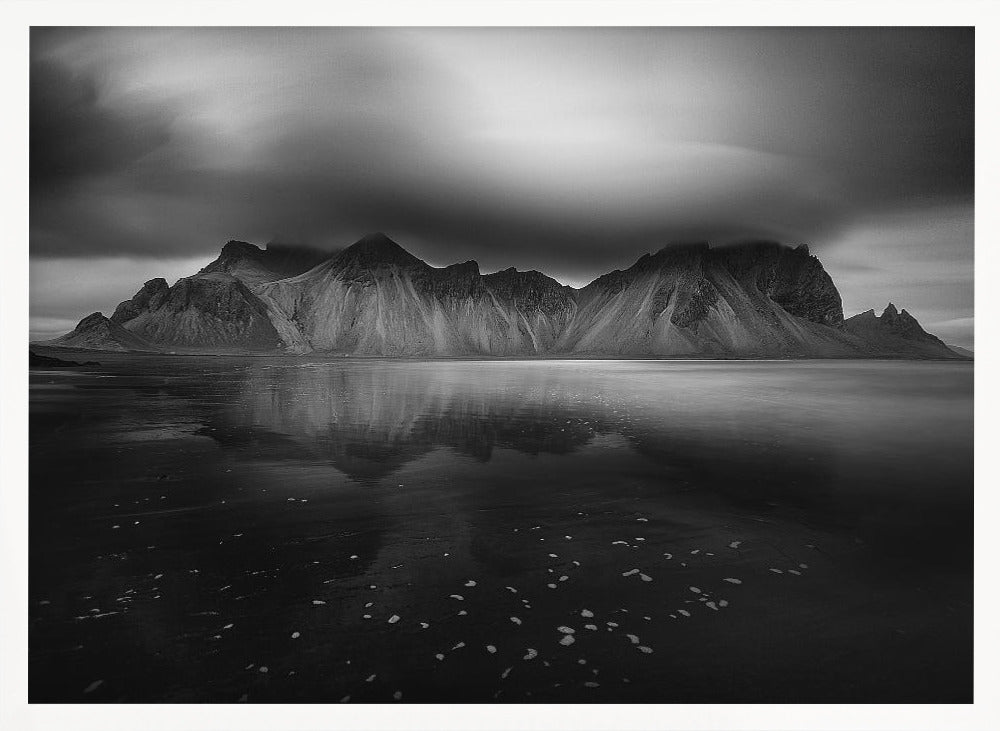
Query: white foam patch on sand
(93, 686)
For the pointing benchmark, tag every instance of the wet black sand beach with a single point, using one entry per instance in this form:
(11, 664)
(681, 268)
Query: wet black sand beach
(282, 530)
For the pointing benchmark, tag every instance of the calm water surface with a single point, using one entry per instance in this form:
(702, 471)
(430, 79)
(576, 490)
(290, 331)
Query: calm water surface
(283, 529)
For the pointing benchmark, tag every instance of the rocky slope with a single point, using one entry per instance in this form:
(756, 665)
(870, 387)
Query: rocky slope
(755, 300)
(97, 332)
(213, 310)
(375, 298)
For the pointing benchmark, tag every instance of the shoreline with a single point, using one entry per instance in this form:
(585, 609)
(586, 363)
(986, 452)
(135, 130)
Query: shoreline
(480, 357)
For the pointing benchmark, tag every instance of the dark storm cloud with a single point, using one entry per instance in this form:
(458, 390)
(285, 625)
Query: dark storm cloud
(71, 136)
(569, 150)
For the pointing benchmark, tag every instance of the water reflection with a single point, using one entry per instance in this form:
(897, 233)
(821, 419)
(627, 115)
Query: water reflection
(369, 420)
(835, 440)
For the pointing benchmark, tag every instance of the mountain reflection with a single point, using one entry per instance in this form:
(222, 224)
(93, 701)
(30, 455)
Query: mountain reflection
(844, 443)
(369, 420)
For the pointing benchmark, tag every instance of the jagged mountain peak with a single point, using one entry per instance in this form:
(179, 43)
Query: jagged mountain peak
(376, 239)
(466, 267)
(377, 243)
(523, 274)
(152, 294)
(530, 288)
(233, 252)
(235, 249)
(237, 246)
(672, 253)
(900, 319)
(94, 319)
(748, 252)
(375, 251)
(897, 333)
(254, 265)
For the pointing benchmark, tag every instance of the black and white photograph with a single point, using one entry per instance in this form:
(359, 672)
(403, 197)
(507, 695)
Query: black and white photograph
(522, 366)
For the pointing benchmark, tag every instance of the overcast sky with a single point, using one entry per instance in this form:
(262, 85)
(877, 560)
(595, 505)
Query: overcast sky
(572, 151)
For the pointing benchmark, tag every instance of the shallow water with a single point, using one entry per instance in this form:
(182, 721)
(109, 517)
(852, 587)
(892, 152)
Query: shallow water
(287, 529)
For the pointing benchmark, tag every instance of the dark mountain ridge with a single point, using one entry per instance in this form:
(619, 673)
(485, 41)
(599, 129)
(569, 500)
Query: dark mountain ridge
(254, 265)
(758, 299)
(897, 333)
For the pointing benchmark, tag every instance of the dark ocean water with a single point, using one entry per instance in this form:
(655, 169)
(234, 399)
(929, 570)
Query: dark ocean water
(286, 529)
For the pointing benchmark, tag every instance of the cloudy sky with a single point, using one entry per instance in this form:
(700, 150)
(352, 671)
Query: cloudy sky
(572, 151)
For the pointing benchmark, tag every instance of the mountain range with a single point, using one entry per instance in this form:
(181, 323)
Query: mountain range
(374, 298)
